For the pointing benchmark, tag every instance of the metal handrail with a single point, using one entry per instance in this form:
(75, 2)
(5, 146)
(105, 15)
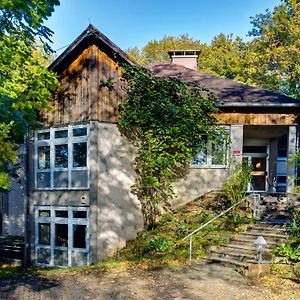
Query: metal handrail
(210, 221)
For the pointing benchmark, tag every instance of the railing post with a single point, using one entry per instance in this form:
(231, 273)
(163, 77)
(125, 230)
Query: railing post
(191, 241)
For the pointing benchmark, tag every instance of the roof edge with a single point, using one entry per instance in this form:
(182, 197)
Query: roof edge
(89, 33)
(250, 104)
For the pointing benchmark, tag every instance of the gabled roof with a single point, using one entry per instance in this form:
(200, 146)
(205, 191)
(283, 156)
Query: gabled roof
(90, 36)
(228, 92)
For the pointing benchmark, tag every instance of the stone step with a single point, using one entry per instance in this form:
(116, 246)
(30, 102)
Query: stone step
(226, 261)
(236, 255)
(243, 248)
(265, 234)
(269, 228)
(246, 241)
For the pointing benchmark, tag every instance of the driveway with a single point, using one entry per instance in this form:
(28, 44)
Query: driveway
(201, 281)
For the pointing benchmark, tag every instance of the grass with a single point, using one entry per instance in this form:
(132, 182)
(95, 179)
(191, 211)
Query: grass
(160, 246)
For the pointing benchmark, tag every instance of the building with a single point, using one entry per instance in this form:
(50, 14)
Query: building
(79, 174)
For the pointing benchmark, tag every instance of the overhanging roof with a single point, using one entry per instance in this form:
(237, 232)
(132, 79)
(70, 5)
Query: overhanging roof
(229, 93)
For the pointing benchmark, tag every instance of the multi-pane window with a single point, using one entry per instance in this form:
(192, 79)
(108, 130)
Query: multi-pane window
(62, 158)
(212, 153)
(61, 235)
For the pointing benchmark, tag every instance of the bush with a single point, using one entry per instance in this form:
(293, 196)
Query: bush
(236, 185)
(294, 227)
(291, 251)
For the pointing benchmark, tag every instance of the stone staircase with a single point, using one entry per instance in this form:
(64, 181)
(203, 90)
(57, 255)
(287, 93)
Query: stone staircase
(276, 206)
(273, 211)
(241, 249)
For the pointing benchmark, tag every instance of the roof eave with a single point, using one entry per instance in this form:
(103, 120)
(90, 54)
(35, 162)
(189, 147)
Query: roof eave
(249, 104)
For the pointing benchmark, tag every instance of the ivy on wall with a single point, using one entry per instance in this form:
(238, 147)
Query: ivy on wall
(165, 119)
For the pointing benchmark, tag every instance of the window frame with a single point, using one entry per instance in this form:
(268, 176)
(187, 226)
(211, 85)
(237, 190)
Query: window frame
(70, 221)
(209, 154)
(52, 142)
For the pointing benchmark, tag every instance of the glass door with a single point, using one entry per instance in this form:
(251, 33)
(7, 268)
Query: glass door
(256, 157)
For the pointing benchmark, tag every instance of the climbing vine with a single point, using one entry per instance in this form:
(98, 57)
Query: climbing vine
(165, 119)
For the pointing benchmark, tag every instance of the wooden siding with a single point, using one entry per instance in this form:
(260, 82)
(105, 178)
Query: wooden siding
(256, 119)
(79, 97)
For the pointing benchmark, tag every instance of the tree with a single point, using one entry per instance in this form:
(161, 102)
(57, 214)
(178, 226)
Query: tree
(273, 56)
(223, 57)
(26, 84)
(157, 51)
(165, 119)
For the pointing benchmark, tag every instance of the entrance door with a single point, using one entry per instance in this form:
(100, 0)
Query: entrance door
(257, 159)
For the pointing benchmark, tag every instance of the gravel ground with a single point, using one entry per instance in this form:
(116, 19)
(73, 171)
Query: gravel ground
(201, 281)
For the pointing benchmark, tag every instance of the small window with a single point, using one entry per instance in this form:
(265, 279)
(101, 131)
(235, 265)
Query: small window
(60, 179)
(44, 234)
(61, 235)
(43, 180)
(218, 151)
(201, 157)
(81, 214)
(44, 135)
(61, 156)
(79, 236)
(79, 154)
(61, 134)
(82, 131)
(43, 157)
(44, 213)
(61, 213)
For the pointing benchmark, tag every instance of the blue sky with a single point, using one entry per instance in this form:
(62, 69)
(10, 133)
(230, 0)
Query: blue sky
(130, 23)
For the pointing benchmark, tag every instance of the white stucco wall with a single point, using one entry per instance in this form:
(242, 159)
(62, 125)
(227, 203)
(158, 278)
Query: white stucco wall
(119, 211)
(198, 182)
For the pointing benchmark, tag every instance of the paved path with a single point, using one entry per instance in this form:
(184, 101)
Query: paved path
(191, 282)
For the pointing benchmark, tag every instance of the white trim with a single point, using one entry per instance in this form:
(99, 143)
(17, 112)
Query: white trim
(209, 156)
(69, 141)
(70, 221)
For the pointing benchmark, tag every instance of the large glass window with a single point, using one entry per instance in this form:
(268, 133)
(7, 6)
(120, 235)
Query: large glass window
(62, 158)
(62, 235)
(212, 153)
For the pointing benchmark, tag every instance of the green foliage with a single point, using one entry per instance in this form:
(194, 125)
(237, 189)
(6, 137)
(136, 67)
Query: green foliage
(290, 252)
(24, 19)
(271, 60)
(294, 227)
(26, 84)
(157, 51)
(164, 241)
(235, 186)
(165, 119)
(294, 162)
(274, 55)
(224, 57)
(160, 244)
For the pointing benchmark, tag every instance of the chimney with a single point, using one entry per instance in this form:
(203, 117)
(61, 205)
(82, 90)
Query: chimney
(186, 58)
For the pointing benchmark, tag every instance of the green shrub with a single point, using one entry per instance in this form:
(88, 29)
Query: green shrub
(290, 252)
(235, 186)
(160, 244)
(294, 227)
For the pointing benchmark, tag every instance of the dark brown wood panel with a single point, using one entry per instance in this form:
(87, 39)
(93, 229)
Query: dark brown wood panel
(257, 119)
(80, 98)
